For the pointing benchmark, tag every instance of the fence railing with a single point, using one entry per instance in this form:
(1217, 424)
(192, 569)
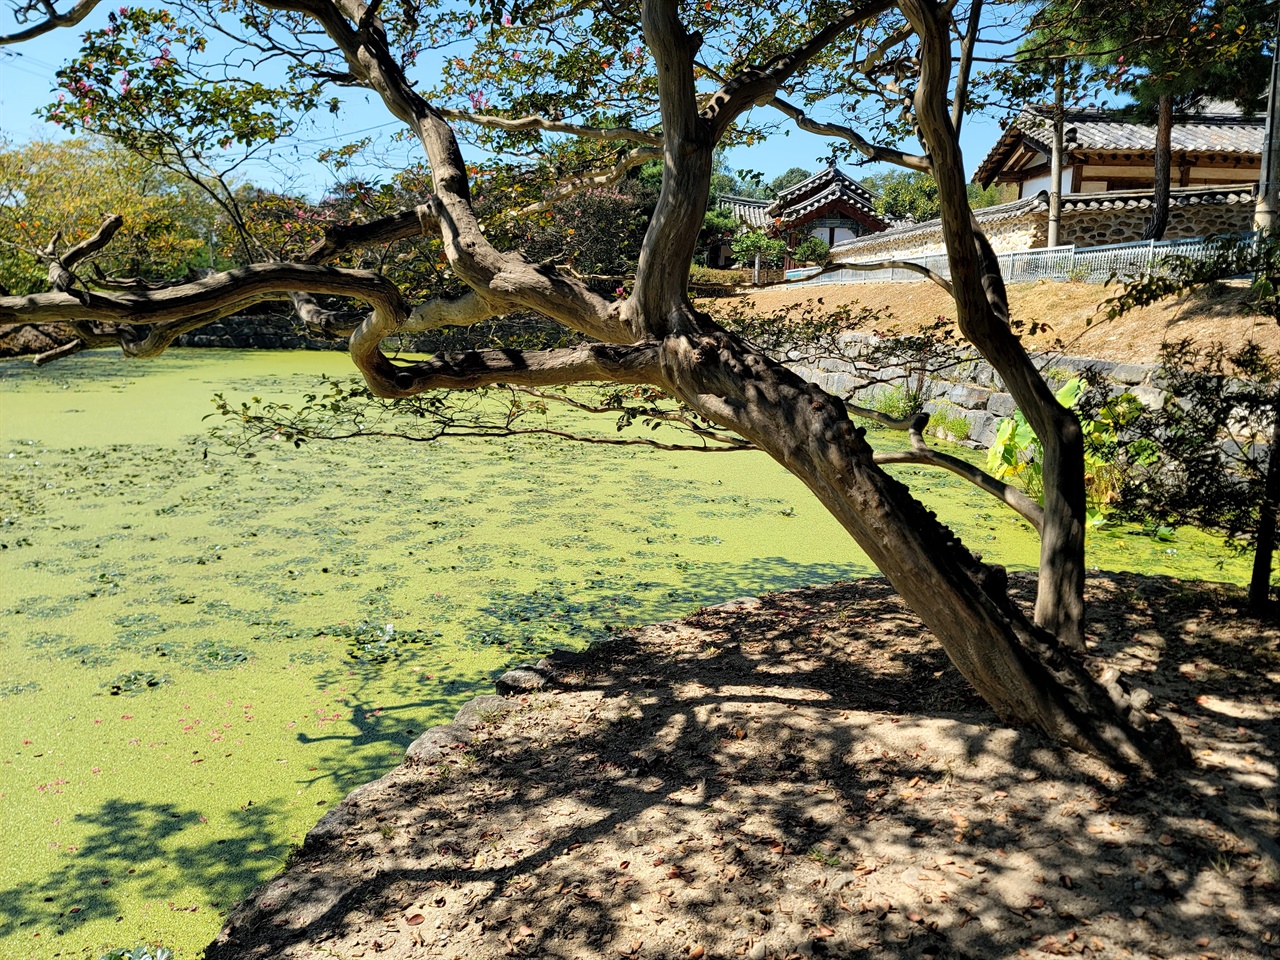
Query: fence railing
(1085, 265)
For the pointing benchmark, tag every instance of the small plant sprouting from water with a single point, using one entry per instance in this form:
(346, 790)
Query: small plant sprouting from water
(140, 952)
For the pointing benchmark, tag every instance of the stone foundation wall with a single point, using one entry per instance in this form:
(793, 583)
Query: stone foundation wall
(1005, 236)
(258, 331)
(1095, 228)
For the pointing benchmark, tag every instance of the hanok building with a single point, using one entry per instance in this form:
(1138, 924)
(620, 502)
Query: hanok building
(1103, 153)
(830, 205)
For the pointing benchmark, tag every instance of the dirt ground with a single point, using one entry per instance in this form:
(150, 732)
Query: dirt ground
(1069, 312)
(806, 775)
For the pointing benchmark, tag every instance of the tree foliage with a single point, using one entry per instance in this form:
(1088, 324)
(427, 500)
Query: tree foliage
(789, 178)
(167, 226)
(1208, 455)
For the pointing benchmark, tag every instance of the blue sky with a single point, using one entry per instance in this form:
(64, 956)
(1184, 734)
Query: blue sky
(27, 79)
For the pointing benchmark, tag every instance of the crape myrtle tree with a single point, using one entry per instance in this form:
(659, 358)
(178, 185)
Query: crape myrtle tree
(586, 92)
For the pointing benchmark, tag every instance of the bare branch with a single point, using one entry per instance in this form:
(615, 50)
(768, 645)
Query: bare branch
(232, 289)
(868, 149)
(420, 221)
(667, 416)
(60, 267)
(52, 22)
(534, 122)
(924, 455)
(592, 181)
(966, 65)
(908, 265)
(758, 85)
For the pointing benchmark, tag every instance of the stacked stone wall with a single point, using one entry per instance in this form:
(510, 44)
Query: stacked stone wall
(969, 387)
(1095, 228)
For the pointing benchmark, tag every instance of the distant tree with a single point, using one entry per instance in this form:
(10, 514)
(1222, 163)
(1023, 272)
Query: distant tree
(995, 194)
(789, 179)
(1167, 55)
(167, 223)
(904, 195)
(812, 250)
(759, 249)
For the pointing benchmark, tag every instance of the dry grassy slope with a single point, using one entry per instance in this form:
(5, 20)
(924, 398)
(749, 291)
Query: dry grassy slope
(1076, 325)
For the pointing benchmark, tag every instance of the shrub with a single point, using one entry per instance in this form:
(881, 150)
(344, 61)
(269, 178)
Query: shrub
(897, 402)
(812, 250)
(699, 274)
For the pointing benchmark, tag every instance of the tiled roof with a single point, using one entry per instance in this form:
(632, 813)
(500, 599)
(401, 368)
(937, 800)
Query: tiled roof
(1071, 203)
(1098, 131)
(837, 191)
(1142, 199)
(752, 212)
(829, 185)
(985, 215)
(820, 182)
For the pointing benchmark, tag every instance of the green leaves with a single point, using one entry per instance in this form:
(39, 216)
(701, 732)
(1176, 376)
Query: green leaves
(143, 82)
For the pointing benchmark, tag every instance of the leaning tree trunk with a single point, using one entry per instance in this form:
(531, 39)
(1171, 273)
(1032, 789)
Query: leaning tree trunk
(1164, 170)
(1019, 669)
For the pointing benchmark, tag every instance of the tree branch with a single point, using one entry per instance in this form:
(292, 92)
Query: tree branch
(758, 85)
(227, 291)
(635, 363)
(52, 22)
(908, 265)
(534, 122)
(420, 221)
(605, 178)
(868, 149)
(966, 65)
(924, 455)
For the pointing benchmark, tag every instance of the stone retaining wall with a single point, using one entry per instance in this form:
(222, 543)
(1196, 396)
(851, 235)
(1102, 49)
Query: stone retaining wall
(265, 331)
(970, 388)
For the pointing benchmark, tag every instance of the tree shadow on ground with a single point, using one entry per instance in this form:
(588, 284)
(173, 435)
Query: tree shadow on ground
(806, 775)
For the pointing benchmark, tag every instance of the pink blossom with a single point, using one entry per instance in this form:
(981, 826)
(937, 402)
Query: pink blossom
(506, 19)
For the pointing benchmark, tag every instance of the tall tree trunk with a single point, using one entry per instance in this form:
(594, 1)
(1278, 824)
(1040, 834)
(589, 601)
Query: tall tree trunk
(1164, 169)
(1268, 515)
(1055, 162)
(982, 312)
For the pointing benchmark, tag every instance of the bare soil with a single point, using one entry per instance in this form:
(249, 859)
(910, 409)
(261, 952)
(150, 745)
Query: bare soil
(1066, 316)
(807, 775)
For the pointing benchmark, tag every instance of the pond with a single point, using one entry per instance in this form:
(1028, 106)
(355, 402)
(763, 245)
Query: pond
(202, 652)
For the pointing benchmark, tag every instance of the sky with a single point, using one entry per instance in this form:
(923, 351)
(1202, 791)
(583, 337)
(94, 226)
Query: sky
(27, 82)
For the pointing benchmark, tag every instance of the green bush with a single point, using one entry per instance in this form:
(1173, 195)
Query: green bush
(897, 402)
(812, 250)
(949, 424)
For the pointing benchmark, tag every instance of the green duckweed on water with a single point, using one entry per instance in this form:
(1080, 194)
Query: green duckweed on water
(201, 654)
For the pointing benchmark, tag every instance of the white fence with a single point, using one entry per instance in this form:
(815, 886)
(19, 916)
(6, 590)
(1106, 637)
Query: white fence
(1086, 265)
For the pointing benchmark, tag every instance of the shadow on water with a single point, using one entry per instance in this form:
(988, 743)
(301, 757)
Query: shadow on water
(139, 852)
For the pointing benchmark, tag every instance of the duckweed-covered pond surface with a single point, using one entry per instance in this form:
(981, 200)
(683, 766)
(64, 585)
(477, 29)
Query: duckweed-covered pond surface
(201, 654)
